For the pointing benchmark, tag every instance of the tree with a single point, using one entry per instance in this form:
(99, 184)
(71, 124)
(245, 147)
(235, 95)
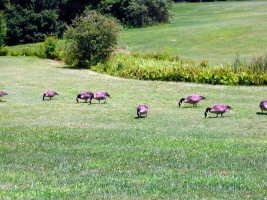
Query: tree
(27, 26)
(90, 39)
(148, 12)
(2, 30)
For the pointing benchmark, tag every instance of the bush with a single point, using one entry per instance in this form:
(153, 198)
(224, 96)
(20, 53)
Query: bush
(50, 48)
(91, 39)
(147, 12)
(3, 52)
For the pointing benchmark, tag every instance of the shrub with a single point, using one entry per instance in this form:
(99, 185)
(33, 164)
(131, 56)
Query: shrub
(3, 52)
(147, 12)
(50, 48)
(91, 39)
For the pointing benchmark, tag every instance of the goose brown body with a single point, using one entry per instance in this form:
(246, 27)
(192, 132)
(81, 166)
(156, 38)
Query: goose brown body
(85, 95)
(100, 96)
(217, 109)
(49, 94)
(2, 94)
(263, 105)
(142, 110)
(192, 99)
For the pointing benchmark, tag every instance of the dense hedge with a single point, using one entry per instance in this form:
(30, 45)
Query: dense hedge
(154, 67)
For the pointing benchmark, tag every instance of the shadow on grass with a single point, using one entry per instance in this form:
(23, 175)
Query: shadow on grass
(260, 113)
(140, 117)
(190, 107)
(72, 67)
(48, 99)
(2, 101)
(215, 117)
(98, 103)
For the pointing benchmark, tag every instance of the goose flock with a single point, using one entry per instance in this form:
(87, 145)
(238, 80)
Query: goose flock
(143, 109)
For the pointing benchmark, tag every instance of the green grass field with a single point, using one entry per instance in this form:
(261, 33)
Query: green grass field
(208, 31)
(61, 149)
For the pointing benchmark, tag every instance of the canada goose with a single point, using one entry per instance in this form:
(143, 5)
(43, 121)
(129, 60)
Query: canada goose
(50, 94)
(100, 96)
(142, 110)
(2, 94)
(263, 105)
(192, 99)
(84, 95)
(217, 109)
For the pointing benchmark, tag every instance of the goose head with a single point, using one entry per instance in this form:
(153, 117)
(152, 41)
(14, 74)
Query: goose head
(206, 112)
(181, 101)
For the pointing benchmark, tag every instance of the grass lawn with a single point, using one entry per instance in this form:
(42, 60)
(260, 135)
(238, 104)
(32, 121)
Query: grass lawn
(214, 31)
(61, 149)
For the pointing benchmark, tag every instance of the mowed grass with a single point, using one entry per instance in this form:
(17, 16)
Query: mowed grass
(61, 149)
(214, 31)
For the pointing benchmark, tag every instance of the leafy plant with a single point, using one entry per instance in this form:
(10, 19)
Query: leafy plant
(150, 67)
(91, 39)
(50, 48)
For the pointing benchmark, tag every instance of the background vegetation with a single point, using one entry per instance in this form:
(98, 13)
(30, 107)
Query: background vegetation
(154, 52)
(32, 21)
(61, 149)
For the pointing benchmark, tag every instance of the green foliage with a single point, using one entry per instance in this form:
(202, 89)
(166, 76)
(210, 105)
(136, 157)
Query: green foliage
(50, 48)
(3, 51)
(26, 25)
(91, 39)
(147, 12)
(147, 67)
(2, 30)
(31, 21)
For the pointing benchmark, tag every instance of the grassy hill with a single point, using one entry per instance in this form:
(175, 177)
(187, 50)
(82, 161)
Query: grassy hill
(212, 31)
(61, 149)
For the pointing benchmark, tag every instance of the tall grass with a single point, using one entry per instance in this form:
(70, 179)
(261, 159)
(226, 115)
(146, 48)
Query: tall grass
(257, 65)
